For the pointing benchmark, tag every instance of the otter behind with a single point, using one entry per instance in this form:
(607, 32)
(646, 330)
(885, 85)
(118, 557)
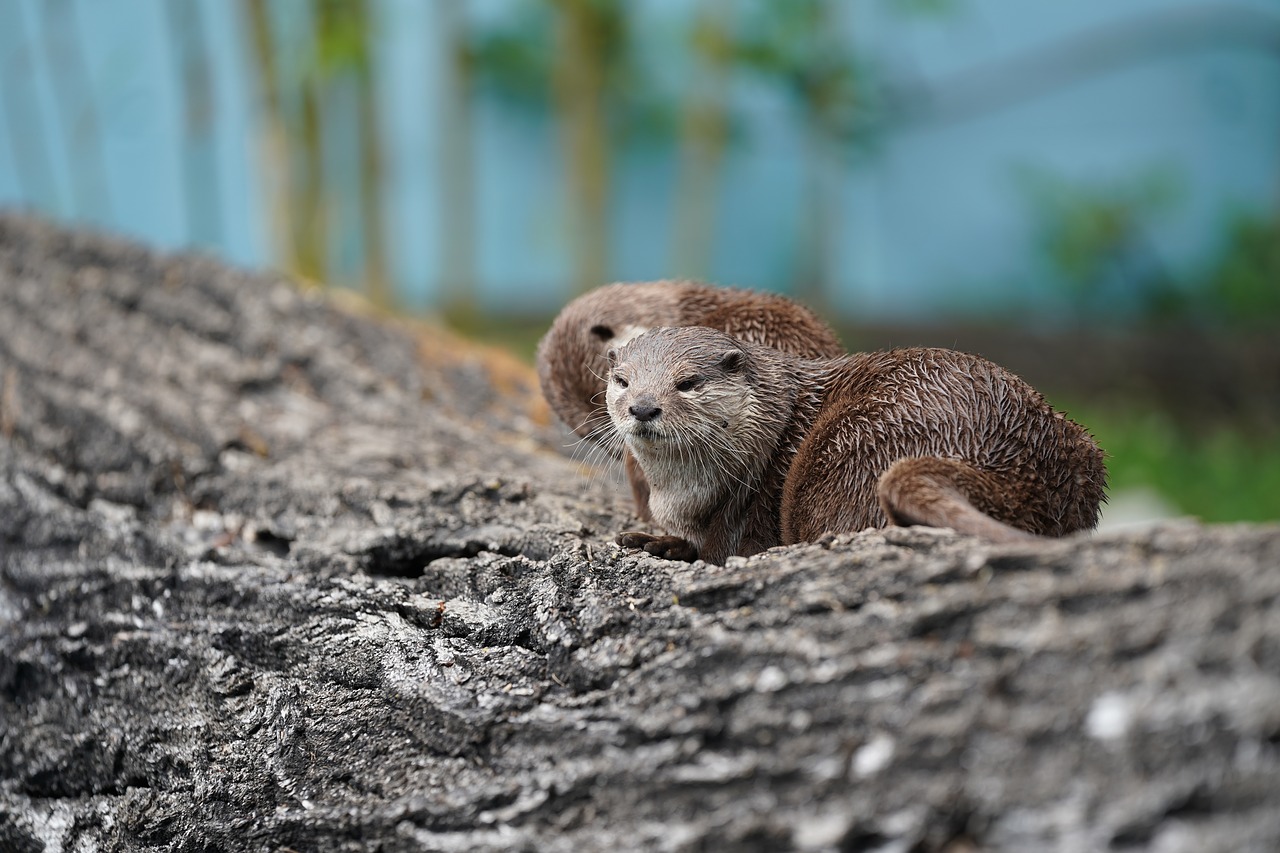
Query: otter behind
(745, 447)
(571, 356)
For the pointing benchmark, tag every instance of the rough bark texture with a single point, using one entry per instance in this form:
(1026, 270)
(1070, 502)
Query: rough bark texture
(275, 576)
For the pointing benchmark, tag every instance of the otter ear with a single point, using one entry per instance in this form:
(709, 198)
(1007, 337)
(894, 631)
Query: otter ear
(602, 333)
(612, 355)
(731, 360)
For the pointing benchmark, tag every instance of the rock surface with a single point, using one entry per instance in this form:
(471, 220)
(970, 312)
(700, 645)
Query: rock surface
(275, 575)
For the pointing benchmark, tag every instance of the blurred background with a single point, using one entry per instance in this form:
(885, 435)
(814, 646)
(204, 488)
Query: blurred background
(1087, 192)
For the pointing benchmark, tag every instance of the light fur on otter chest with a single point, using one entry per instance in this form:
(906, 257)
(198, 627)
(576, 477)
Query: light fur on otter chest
(701, 452)
(746, 447)
(677, 491)
(683, 492)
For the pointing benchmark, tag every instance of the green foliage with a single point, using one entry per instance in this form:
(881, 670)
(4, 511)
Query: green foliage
(925, 7)
(1095, 239)
(800, 45)
(1243, 288)
(519, 335)
(342, 37)
(1223, 472)
(514, 59)
(1089, 225)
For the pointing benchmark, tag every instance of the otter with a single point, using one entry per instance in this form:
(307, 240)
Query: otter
(571, 356)
(745, 447)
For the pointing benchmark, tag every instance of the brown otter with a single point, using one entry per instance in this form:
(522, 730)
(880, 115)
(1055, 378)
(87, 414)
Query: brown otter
(571, 356)
(745, 447)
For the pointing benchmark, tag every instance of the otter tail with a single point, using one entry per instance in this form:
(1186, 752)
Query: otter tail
(949, 493)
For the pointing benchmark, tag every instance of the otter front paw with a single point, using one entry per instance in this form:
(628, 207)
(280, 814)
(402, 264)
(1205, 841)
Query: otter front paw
(667, 547)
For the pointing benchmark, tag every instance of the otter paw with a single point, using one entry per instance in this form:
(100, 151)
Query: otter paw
(667, 547)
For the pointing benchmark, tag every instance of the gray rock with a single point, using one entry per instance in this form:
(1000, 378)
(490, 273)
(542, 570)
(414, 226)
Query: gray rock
(276, 575)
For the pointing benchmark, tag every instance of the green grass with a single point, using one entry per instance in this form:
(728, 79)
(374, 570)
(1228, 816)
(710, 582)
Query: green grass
(1223, 472)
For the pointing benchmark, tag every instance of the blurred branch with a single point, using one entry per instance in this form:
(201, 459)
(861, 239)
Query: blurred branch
(1142, 38)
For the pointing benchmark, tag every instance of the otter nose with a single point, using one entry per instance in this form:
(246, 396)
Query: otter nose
(644, 411)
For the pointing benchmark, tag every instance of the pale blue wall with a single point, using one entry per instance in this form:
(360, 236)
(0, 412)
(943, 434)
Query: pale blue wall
(137, 104)
(934, 219)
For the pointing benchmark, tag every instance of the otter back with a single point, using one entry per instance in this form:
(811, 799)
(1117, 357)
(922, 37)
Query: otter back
(746, 447)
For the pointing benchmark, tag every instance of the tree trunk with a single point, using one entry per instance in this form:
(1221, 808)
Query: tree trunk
(273, 575)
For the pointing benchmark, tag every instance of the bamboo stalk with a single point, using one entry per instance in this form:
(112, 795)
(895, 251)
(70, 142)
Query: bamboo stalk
(372, 220)
(578, 78)
(457, 183)
(273, 140)
(309, 199)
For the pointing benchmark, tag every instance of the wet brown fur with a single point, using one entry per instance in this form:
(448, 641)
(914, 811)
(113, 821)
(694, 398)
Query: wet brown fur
(571, 356)
(771, 449)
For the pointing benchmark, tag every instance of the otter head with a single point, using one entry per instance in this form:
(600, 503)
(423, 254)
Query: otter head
(682, 399)
(572, 357)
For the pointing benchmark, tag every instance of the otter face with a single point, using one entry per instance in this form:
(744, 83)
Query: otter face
(603, 338)
(678, 393)
(572, 362)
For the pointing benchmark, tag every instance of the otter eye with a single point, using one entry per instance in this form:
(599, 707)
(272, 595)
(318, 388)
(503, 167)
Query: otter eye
(689, 383)
(618, 380)
(604, 333)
